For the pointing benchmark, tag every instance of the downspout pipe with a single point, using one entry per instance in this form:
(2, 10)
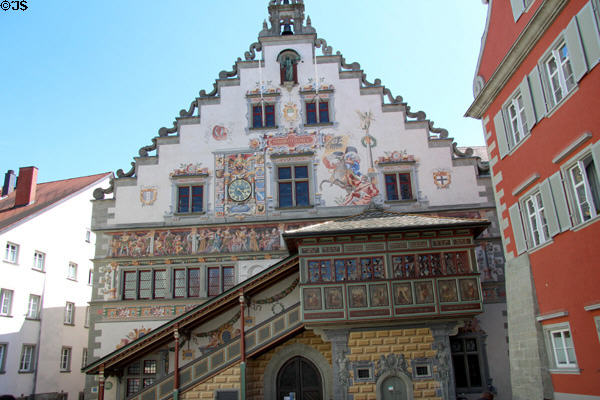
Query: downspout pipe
(176, 372)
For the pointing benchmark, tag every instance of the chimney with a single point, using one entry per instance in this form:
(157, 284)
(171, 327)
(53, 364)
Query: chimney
(10, 179)
(26, 186)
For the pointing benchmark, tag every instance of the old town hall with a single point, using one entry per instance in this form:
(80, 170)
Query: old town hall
(299, 232)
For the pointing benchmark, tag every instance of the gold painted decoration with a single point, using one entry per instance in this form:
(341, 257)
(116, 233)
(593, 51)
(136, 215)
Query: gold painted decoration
(148, 195)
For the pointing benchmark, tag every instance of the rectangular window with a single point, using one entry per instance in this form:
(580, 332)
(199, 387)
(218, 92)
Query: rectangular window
(260, 121)
(3, 349)
(465, 359)
(563, 349)
(72, 271)
(27, 358)
(160, 283)
(220, 279)
(69, 313)
(517, 119)
(149, 367)
(145, 284)
(293, 186)
(133, 386)
(33, 306)
(6, 297)
(90, 276)
(84, 357)
(317, 117)
(129, 285)
(88, 235)
(65, 359)
(39, 260)
(398, 186)
(12, 253)
(560, 72)
(536, 219)
(190, 199)
(585, 187)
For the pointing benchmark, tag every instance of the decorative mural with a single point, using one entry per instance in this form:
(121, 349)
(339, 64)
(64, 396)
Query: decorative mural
(192, 241)
(148, 195)
(144, 312)
(133, 335)
(106, 280)
(191, 169)
(343, 163)
(442, 179)
(395, 156)
(246, 170)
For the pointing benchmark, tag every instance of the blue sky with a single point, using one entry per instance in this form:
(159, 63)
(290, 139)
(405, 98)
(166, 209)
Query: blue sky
(85, 84)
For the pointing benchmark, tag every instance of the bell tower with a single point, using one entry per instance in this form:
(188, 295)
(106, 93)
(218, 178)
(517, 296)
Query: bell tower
(287, 18)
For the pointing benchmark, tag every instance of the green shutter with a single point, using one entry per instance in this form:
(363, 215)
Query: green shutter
(528, 103)
(596, 156)
(517, 226)
(549, 209)
(575, 50)
(517, 8)
(586, 20)
(537, 94)
(501, 134)
(560, 201)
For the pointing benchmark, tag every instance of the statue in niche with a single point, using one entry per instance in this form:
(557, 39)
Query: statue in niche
(288, 61)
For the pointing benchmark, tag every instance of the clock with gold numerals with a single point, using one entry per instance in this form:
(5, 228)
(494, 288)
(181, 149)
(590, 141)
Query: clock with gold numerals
(239, 190)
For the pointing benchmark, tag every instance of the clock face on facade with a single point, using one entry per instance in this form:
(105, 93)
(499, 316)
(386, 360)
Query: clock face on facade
(239, 190)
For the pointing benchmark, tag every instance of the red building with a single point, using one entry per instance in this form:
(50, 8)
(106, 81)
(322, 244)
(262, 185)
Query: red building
(537, 91)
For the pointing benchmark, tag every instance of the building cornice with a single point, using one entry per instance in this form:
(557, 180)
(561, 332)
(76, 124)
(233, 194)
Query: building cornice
(539, 23)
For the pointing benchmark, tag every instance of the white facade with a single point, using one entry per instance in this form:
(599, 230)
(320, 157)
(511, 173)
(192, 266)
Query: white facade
(59, 238)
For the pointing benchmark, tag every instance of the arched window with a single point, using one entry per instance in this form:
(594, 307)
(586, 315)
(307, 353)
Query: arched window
(288, 61)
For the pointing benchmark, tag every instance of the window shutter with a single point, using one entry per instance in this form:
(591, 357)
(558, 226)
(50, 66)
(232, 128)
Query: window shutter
(537, 94)
(596, 156)
(517, 8)
(575, 50)
(549, 209)
(560, 201)
(501, 134)
(528, 103)
(517, 226)
(589, 35)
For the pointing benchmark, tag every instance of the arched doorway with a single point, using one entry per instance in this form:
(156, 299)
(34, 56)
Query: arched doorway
(300, 376)
(393, 388)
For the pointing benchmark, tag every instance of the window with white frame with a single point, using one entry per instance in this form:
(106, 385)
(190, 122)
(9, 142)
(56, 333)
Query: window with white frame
(561, 347)
(69, 313)
(515, 112)
(65, 359)
(88, 235)
(33, 306)
(585, 187)
(3, 349)
(27, 361)
(145, 284)
(11, 254)
(536, 219)
(560, 72)
(39, 261)
(186, 282)
(72, 271)
(6, 297)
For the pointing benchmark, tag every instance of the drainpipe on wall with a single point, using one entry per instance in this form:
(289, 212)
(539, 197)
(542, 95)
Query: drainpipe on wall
(39, 338)
(242, 349)
(176, 367)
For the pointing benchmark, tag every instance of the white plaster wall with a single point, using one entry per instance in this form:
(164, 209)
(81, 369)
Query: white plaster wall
(60, 233)
(113, 332)
(196, 144)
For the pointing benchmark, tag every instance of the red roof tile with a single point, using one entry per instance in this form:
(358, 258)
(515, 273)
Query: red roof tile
(47, 194)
